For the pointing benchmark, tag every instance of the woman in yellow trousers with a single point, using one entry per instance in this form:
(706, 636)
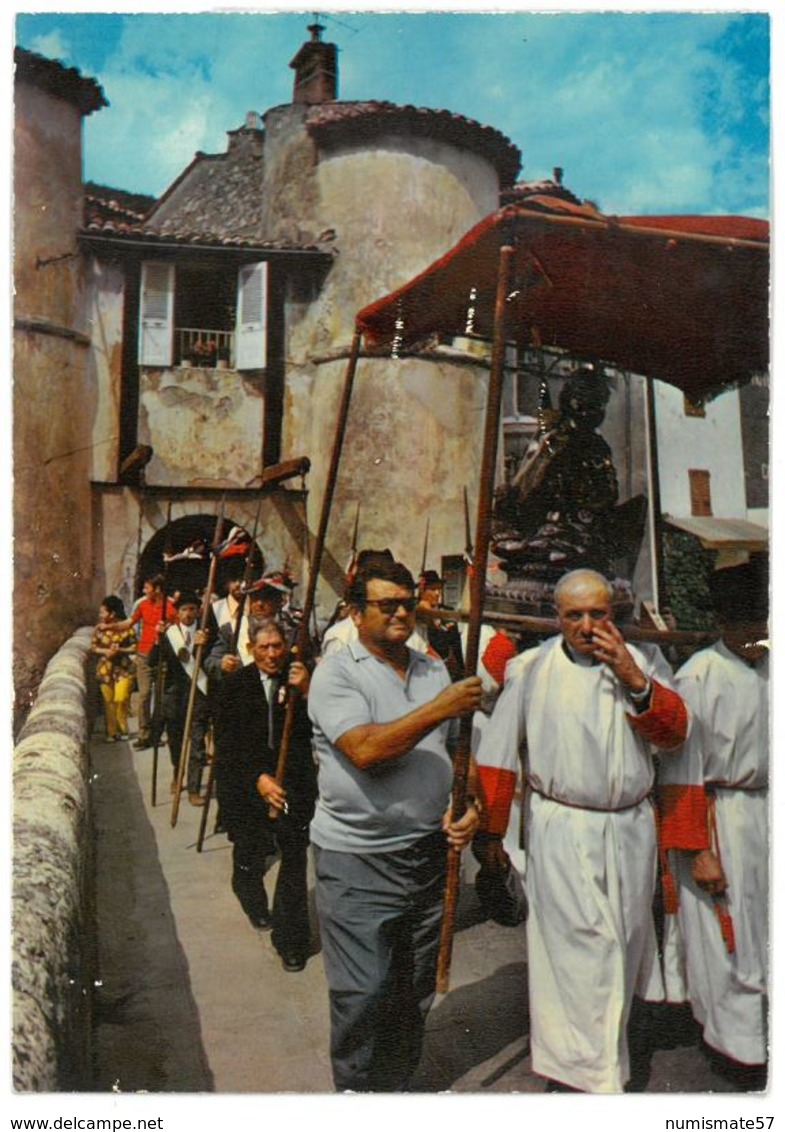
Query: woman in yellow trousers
(115, 649)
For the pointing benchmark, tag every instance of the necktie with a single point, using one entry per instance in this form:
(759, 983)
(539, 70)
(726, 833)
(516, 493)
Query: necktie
(271, 689)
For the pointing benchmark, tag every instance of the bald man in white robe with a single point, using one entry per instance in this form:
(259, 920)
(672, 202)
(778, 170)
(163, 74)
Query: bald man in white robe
(587, 712)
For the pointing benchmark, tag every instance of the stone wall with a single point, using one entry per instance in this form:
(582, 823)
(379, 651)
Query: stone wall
(52, 914)
(54, 399)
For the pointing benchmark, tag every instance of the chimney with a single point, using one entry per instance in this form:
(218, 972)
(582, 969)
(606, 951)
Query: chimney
(315, 69)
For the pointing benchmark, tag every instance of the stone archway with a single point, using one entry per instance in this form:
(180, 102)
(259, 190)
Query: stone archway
(191, 573)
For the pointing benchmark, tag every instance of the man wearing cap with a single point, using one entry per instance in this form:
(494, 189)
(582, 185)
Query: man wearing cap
(586, 712)
(176, 650)
(717, 945)
(265, 598)
(444, 637)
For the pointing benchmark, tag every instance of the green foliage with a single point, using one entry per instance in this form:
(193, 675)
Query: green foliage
(687, 568)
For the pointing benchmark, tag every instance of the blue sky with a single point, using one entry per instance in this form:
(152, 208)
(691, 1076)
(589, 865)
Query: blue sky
(656, 111)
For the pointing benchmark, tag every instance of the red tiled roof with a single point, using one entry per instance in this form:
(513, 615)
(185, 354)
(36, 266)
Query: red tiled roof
(105, 206)
(218, 200)
(339, 120)
(215, 208)
(522, 190)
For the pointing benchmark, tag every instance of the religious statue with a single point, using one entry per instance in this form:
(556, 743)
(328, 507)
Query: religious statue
(560, 510)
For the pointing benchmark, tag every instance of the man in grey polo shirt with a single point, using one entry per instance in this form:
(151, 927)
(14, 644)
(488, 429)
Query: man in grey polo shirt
(383, 727)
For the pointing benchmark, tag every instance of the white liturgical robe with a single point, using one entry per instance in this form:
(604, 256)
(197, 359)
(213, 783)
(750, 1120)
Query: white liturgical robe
(727, 753)
(590, 850)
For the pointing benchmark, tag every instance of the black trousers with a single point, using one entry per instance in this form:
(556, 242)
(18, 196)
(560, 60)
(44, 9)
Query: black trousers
(380, 918)
(197, 755)
(253, 848)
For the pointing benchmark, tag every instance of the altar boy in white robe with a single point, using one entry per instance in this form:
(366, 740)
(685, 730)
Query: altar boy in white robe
(716, 936)
(586, 711)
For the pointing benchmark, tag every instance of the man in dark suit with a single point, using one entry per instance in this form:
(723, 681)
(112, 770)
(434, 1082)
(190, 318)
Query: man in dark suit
(248, 734)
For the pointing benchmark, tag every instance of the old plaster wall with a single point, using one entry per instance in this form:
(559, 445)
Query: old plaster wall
(290, 206)
(53, 402)
(415, 429)
(126, 519)
(395, 208)
(47, 207)
(105, 283)
(413, 440)
(205, 426)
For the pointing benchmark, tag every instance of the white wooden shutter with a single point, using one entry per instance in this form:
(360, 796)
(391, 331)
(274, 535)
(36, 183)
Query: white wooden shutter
(156, 315)
(251, 328)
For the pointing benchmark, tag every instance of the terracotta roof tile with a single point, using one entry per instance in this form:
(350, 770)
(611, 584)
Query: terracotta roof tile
(218, 199)
(58, 80)
(218, 196)
(215, 202)
(521, 190)
(339, 120)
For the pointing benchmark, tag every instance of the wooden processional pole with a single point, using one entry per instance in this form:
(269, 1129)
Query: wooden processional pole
(477, 595)
(300, 648)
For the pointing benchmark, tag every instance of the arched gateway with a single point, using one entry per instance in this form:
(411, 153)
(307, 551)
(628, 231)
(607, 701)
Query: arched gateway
(186, 542)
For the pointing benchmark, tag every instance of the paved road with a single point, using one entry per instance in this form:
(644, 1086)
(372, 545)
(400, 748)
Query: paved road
(192, 999)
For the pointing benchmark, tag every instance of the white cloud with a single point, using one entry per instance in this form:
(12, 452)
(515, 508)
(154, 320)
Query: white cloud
(52, 46)
(646, 112)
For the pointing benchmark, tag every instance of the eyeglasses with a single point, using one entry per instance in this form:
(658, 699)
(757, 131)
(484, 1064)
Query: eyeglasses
(390, 605)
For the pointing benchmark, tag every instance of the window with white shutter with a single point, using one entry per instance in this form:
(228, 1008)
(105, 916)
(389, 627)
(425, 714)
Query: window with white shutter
(251, 326)
(156, 321)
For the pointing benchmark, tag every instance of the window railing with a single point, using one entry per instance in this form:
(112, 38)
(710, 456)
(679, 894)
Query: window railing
(211, 349)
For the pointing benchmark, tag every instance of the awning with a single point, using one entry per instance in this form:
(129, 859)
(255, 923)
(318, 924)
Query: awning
(723, 534)
(684, 299)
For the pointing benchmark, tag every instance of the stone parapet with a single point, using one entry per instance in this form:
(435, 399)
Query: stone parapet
(52, 910)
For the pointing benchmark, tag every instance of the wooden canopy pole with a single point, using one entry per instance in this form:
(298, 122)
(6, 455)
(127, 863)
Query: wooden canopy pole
(300, 648)
(160, 674)
(549, 627)
(477, 596)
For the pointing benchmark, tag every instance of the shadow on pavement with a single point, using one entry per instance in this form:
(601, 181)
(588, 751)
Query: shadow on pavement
(147, 1035)
(473, 1024)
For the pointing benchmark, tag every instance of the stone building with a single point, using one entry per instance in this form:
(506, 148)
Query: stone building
(54, 396)
(198, 346)
(222, 321)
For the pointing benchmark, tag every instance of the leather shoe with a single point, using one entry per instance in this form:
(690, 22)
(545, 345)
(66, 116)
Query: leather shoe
(141, 744)
(196, 799)
(293, 962)
(262, 921)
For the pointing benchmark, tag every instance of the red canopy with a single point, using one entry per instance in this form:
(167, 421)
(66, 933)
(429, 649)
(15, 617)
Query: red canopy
(681, 298)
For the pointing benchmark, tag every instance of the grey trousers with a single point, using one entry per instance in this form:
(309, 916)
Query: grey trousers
(379, 918)
(145, 678)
